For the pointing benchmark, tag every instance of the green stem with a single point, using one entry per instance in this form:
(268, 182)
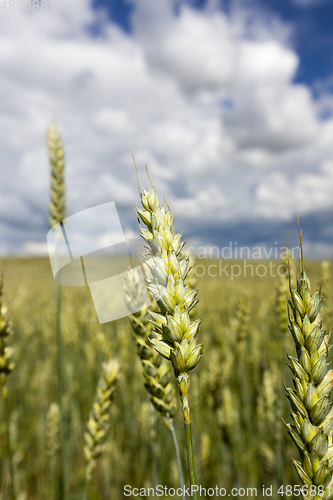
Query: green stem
(64, 469)
(154, 454)
(177, 454)
(85, 495)
(53, 478)
(190, 459)
(10, 453)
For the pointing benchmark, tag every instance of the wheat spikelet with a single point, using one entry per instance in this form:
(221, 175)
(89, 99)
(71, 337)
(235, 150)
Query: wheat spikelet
(311, 407)
(99, 419)
(155, 370)
(57, 164)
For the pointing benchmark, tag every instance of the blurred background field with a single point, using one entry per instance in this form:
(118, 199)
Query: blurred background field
(239, 437)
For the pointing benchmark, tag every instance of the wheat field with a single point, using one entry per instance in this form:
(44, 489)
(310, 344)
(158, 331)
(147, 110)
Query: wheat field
(237, 396)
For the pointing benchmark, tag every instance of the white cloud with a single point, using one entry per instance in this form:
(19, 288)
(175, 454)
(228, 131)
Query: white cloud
(206, 100)
(266, 62)
(312, 192)
(197, 50)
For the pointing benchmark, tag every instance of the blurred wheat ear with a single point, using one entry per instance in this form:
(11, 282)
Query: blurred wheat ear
(53, 444)
(57, 204)
(6, 367)
(57, 215)
(99, 419)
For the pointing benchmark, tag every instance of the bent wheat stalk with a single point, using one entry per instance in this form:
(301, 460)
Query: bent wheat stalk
(312, 411)
(175, 333)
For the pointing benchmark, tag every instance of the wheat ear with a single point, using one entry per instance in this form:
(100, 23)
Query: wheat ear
(6, 367)
(57, 164)
(175, 333)
(53, 443)
(156, 371)
(280, 305)
(56, 216)
(312, 411)
(99, 419)
(53, 421)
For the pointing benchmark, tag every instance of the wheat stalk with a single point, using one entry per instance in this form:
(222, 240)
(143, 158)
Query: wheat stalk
(312, 411)
(56, 216)
(175, 333)
(99, 418)
(6, 367)
(156, 371)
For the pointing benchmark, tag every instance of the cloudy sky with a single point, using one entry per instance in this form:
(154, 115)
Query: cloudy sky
(229, 103)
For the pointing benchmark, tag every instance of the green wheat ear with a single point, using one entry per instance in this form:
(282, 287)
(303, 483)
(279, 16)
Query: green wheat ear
(99, 419)
(312, 411)
(53, 424)
(156, 371)
(175, 334)
(57, 164)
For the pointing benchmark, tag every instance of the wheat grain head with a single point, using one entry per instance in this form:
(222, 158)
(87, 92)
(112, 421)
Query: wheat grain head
(57, 164)
(99, 419)
(312, 411)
